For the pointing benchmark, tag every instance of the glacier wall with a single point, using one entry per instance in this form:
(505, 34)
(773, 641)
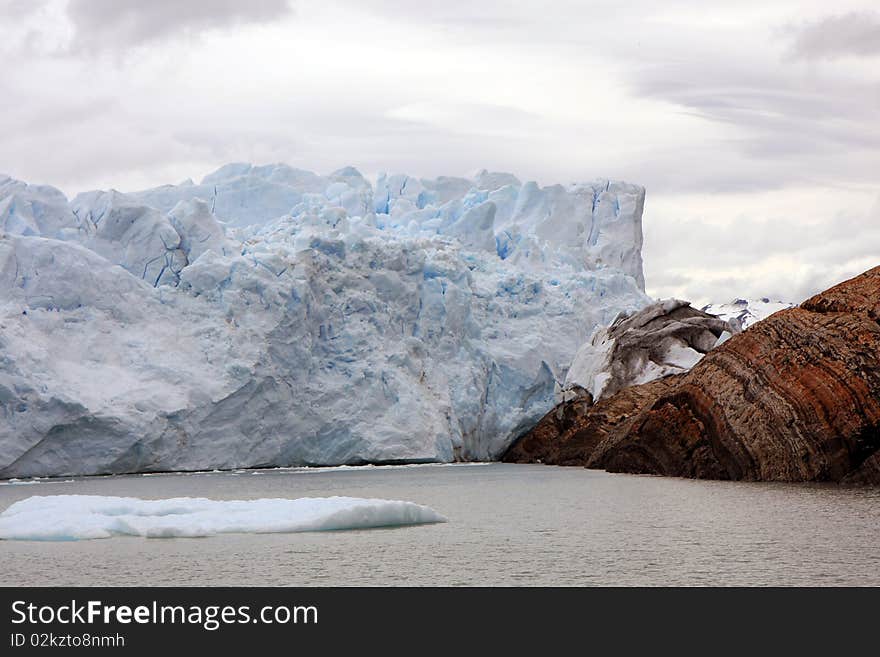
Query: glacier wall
(269, 316)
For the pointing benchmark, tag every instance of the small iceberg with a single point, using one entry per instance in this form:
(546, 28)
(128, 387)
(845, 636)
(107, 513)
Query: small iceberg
(81, 517)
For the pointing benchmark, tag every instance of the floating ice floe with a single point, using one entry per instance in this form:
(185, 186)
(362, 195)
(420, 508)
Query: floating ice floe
(81, 517)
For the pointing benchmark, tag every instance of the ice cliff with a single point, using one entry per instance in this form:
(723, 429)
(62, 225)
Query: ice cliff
(271, 316)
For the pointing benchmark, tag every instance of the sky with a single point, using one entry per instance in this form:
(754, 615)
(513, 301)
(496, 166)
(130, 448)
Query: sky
(754, 126)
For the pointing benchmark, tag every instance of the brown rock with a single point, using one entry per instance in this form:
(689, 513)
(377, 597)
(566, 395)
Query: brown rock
(569, 434)
(796, 397)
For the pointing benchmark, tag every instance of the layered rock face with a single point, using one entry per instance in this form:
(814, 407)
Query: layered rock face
(269, 316)
(796, 397)
(654, 344)
(572, 432)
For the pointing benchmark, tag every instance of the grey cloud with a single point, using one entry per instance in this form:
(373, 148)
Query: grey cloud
(16, 9)
(834, 110)
(721, 87)
(689, 259)
(102, 24)
(855, 33)
(781, 127)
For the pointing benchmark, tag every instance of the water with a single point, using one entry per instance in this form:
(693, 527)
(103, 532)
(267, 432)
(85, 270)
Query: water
(509, 525)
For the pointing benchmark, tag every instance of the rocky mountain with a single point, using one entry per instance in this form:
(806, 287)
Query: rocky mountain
(794, 398)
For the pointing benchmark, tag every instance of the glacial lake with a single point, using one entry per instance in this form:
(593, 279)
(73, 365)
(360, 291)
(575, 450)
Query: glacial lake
(508, 525)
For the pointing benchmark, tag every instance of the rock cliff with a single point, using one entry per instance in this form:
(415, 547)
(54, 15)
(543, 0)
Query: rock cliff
(796, 397)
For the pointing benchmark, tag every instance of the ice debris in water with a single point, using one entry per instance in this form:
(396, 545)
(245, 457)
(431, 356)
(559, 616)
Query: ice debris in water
(81, 517)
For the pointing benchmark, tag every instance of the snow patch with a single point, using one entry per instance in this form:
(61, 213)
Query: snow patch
(746, 311)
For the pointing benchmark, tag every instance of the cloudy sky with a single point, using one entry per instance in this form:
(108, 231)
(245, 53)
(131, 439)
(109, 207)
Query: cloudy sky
(754, 126)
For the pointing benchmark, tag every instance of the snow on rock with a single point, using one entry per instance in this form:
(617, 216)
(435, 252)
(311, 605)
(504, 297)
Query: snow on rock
(273, 317)
(746, 311)
(81, 517)
(666, 337)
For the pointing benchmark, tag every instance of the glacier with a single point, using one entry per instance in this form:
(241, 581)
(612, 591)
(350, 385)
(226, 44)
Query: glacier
(83, 517)
(269, 316)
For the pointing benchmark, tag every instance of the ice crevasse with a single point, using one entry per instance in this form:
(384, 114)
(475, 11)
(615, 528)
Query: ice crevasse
(270, 316)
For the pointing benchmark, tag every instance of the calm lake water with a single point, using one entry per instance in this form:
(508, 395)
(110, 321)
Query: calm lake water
(508, 525)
